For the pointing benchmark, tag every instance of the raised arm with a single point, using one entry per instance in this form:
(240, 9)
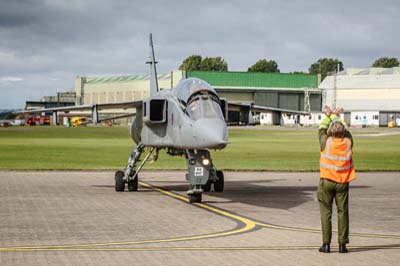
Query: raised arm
(330, 117)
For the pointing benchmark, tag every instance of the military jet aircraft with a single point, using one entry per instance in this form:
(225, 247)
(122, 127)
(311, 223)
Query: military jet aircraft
(188, 120)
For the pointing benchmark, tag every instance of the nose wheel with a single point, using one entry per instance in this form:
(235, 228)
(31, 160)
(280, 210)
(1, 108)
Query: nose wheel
(219, 183)
(195, 198)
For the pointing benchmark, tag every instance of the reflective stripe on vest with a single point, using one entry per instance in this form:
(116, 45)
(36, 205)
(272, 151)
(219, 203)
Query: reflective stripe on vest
(336, 158)
(336, 168)
(336, 161)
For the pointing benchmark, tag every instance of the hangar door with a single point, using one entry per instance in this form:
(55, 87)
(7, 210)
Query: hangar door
(266, 98)
(289, 101)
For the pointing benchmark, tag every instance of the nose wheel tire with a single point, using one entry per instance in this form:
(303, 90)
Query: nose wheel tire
(195, 198)
(133, 184)
(119, 181)
(207, 186)
(219, 184)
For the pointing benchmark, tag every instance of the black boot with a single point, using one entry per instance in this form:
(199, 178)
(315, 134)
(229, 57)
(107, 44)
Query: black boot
(325, 248)
(342, 248)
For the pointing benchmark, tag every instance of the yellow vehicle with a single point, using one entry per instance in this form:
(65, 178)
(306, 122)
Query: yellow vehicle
(79, 121)
(392, 124)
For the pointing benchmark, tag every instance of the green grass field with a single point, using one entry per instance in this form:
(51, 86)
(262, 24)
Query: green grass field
(60, 148)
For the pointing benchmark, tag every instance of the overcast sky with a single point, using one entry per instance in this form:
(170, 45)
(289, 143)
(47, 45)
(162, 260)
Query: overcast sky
(44, 44)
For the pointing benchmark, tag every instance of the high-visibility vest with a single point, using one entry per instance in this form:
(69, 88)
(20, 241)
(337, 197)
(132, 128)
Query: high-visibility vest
(336, 161)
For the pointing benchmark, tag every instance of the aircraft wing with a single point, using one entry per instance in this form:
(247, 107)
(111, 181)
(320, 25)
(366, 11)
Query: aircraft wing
(259, 108)
(93, 109)
(99, 107)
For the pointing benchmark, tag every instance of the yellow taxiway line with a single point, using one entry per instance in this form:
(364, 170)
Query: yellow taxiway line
(247, 225)
(281, 248)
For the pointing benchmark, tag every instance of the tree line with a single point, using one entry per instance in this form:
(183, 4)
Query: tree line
(324, 66)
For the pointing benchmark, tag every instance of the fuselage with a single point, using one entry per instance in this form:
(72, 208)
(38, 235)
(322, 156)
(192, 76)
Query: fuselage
(187, 116)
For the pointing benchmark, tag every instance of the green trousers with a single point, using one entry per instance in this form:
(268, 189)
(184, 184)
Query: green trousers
(327, 191)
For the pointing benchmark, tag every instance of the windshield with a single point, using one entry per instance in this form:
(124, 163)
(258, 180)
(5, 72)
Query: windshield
(204, 106)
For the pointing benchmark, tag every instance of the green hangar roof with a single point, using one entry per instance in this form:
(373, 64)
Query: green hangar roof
(256, 80)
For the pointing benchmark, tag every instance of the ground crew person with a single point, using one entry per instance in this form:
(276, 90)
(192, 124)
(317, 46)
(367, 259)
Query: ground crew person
(336, 171)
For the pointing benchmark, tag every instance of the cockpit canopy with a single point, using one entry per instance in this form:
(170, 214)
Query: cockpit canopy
(204, 105)
(198, 99)
(188, 87)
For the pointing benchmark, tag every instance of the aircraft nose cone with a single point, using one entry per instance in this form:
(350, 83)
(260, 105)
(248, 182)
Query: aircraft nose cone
(211, 133)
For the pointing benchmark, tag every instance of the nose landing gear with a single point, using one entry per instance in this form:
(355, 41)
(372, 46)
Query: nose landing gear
(202, 175)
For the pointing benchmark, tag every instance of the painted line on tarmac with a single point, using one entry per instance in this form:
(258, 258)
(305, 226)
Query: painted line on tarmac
(245, 225)
(259, 248)
(225, 213)
(307, 230)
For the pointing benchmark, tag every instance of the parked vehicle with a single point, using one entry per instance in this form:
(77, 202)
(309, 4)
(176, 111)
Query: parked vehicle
(79, 121)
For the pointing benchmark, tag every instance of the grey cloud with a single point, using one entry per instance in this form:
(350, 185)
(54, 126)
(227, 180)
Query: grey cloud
(62, 39)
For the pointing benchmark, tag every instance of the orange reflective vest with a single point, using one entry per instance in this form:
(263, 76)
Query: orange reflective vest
(336, 161)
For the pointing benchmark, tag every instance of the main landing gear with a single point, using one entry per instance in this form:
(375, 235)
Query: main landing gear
(130, 175)
(202, 174)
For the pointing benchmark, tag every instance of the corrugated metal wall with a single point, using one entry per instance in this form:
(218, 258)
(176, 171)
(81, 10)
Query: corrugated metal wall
(287, 100)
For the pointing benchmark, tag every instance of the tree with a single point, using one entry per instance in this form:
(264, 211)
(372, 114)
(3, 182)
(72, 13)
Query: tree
(386, 62)
(196, 62)
(214, 64)
(264, 66)
(325, 66)
(298, 72)
(191, 63)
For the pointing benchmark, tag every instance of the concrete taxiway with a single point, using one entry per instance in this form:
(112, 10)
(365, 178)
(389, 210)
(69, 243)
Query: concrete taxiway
(262, 218)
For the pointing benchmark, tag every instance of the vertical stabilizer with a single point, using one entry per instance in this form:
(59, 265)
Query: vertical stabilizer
(153, 70)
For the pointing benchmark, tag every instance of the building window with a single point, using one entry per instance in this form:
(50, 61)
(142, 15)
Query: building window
(375, 117)
(319, 117)
(309, 117)
(356, 117)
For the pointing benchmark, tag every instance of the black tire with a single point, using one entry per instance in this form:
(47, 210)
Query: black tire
(219, 184)
(195, 198)
(133, 184)
(207, 186)
(119, 181)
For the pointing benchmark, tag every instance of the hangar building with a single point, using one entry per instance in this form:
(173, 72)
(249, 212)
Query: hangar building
(369, 96)
(92, 90)
(290, 91)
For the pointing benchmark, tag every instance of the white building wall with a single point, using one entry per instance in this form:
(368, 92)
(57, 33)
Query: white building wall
(289, 120)
(314, 119)
(266, 119)
(370, 92)
(364, 118)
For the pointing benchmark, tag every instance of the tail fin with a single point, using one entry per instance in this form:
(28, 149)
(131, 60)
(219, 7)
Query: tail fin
(153, 70)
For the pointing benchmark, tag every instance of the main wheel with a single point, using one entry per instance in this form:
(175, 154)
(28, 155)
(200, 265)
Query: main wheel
(193, 198)
(207, 186)
(219, 184)
(133, 184)
(119, 181)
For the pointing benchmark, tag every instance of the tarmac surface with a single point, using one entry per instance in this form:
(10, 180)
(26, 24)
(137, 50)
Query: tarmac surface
(262, 218)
